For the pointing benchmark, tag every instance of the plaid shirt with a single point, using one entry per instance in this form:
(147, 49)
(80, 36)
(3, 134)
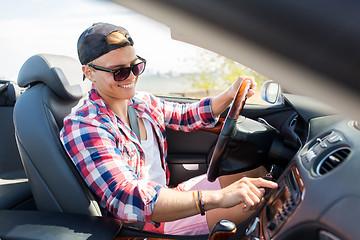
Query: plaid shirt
(109, 156)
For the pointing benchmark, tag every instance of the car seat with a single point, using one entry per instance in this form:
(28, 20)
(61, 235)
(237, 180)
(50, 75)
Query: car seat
(54, 87)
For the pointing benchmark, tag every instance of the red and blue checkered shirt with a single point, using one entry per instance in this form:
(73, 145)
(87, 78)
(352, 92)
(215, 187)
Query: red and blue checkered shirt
(109, 156)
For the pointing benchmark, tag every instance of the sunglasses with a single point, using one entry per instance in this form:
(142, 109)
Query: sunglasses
(120, 74)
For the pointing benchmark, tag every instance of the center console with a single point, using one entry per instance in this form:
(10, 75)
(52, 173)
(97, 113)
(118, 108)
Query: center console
(279, 207)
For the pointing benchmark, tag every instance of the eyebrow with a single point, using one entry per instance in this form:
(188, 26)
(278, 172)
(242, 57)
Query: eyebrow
(122, 65)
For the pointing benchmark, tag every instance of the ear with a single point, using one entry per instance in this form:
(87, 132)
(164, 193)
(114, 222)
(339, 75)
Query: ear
(88, 73)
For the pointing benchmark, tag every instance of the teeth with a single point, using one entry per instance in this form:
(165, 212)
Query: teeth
(131, 85)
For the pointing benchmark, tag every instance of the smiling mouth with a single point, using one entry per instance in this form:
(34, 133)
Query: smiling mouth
(131, 85)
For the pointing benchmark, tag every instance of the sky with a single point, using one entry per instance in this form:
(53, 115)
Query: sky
(29, 27)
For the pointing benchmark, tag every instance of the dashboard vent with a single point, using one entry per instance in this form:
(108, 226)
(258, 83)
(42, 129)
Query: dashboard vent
(332, 161)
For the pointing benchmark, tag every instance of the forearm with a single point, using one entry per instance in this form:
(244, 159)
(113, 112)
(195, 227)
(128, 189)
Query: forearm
(221, 102)
(188, 117)
(172, 205)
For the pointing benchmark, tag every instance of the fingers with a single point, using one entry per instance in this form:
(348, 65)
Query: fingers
(250, 93)
(253, 194)
(254, 191)
(248, 191)
(247, 78)
(252, 87)
(260, 182)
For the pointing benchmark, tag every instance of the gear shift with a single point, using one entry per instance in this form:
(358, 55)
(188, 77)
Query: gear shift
(223, 230)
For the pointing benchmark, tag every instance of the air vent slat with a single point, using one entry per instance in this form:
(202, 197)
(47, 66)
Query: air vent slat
(328, 165)
(341, 154)
(332, 161)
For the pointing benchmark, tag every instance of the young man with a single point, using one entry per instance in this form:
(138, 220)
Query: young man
(130, 174)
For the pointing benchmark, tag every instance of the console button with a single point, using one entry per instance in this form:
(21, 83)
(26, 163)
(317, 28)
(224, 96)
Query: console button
(288, 204)
(334, 138)
(271, 225)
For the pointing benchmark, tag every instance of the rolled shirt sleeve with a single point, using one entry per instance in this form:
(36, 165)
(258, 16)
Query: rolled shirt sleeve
(188, 117)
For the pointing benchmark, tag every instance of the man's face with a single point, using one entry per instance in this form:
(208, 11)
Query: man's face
(109, 89)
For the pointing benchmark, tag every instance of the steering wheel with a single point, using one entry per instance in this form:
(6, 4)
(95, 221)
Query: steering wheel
(227, 130)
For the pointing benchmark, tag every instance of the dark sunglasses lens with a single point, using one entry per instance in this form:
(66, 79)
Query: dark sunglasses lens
(122, 74)
(138, 68)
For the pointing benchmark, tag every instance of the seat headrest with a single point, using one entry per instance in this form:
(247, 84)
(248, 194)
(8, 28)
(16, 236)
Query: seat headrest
(62, 74)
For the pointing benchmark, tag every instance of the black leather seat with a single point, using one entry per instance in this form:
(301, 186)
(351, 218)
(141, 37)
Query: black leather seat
(54, 87)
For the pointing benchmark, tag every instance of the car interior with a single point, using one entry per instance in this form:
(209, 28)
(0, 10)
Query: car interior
(51, 86)
(309, 147)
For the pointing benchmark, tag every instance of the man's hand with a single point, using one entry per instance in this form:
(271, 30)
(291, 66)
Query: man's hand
(234, 87)
(249, 191)
(222, 101)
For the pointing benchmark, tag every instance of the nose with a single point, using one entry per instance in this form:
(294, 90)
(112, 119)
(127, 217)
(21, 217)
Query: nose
(131, 75)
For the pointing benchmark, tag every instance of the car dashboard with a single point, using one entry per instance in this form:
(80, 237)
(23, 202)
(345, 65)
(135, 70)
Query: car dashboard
(317, 197)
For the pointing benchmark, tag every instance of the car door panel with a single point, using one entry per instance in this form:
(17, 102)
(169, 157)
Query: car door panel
(187, 153)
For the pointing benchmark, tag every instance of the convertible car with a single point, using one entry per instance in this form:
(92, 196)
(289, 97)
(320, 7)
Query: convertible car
(308, 137)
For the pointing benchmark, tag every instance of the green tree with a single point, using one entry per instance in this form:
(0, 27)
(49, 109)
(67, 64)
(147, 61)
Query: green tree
(218, 72)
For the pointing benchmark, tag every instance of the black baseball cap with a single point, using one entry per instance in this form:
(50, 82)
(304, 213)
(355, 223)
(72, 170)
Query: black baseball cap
(93, 42)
